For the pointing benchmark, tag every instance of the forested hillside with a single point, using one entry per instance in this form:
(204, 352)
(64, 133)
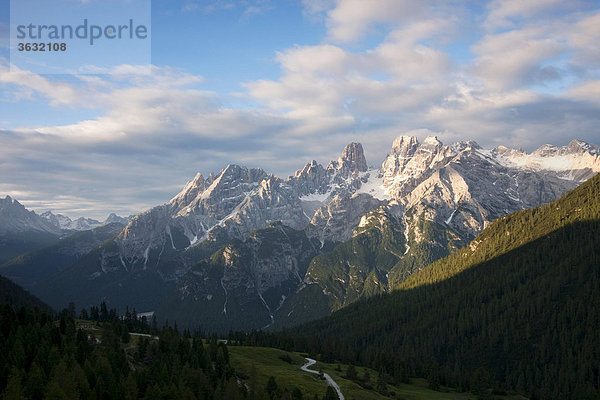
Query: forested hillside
(15, 295)
(517, 309)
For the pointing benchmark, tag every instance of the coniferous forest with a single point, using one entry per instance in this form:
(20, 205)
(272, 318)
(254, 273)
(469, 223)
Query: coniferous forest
(94, 356)
(47, 357)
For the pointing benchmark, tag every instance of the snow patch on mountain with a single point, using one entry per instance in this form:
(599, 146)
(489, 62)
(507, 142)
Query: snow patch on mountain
(571, 160)
(374, 185)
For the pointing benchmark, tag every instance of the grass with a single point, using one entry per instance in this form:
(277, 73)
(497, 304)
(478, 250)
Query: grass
(266, 362)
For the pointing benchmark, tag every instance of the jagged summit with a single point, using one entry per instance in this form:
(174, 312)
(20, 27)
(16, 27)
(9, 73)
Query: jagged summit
(576, 161)
(404, 145)
(114, 218)
(353, 157)
(15, 218)
(579, 146)
(574, 147)
(432, 140)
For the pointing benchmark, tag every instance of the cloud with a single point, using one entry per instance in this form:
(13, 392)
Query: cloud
(516, 58)
(325, 85)
(156, 132)
(582, 37)
(352, 19)
(587, 91)
(313, 8)
(525, 75)
(503, 13)
(29, 84)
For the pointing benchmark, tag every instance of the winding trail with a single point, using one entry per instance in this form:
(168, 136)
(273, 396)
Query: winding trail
(331, 382)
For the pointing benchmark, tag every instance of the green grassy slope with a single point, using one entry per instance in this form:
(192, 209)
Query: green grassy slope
(259, 363)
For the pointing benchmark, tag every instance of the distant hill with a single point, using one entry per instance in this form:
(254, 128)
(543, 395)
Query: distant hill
(22, 230)
(16, 296)
(516, 309)
(33, 267)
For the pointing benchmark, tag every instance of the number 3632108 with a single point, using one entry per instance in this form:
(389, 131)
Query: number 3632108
(42, 46)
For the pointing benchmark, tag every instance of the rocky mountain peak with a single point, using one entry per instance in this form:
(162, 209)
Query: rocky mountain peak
(432, 141)
(574, 147)
(63, 222)
(114, 218)
(546, 150)
(14, 217)
(190, 191)
(506, 150)
(270, 183)
(436, 198)
(405, 145)
(9, 202)
(353, 157)
(310, 170)
(408, 162)
(578, 146)
(312, 178)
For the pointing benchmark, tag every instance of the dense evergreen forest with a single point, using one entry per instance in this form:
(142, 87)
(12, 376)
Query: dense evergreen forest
(516, 310)
(59, 357)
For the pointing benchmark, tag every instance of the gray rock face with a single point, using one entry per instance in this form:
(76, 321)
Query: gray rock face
(353, 158)
(22, 230)
(313, 178)
(335, 221)
(438, 199)
(244, 284)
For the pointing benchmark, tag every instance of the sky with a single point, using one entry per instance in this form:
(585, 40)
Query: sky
(277, 83)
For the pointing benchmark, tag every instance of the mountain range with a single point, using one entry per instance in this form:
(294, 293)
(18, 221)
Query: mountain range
(23, 230)
(65, 223)
(245, 249)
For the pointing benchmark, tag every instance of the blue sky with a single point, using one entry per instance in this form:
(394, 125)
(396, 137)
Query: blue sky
(278, 83)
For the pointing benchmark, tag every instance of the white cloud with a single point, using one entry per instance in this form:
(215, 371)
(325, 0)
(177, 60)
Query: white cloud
(583, 38)
(587, 91)
(352, 19)
(30, 84)
(325, 80)
(515, 58)
(503, 12)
